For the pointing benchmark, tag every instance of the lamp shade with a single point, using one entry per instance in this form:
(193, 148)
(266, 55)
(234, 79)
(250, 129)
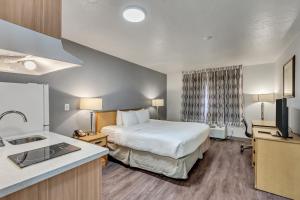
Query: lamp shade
(264, 97)
(91, 104)
(158, 102)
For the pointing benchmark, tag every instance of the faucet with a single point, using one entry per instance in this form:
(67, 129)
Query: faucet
(11, 112)
(1, 142)
(14, 112)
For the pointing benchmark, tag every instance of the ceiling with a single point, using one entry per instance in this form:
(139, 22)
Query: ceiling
(171, 38)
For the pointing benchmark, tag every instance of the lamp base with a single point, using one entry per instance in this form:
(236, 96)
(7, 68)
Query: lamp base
(262, 111)
(92, 116)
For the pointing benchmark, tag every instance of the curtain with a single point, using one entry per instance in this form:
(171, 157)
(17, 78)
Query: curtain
(213, 96)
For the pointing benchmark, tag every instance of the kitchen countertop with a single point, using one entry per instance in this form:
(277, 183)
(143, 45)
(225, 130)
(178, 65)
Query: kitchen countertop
(13, 178)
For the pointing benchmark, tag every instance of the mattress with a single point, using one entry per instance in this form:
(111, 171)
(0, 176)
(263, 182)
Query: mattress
(164, 138)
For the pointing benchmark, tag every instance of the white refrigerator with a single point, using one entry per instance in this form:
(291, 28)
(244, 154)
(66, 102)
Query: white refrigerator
(31, 99)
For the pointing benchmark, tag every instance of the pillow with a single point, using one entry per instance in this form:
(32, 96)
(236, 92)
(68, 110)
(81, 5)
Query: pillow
(129, 118)
(119, 118)
(143, 115)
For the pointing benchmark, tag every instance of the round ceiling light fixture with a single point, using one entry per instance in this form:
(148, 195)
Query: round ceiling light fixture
(134, 14)
(30, 65)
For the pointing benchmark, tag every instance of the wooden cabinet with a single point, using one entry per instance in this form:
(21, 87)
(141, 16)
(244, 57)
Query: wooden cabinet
(253, 152)
(43, 16)
(83, 182)
(277, 163)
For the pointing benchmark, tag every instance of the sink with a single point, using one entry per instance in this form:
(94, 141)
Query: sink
(25, 140)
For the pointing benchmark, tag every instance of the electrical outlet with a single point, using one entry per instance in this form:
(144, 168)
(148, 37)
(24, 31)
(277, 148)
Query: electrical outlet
(67, 107)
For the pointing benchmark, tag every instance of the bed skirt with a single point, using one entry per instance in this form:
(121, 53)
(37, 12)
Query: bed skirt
(174, 168)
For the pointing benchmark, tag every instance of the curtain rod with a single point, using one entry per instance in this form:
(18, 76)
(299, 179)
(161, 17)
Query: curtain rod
(213, 69)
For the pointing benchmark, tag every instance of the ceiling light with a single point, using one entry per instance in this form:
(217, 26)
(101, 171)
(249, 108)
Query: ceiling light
(209, 37)
(30, 65)
(134, 14)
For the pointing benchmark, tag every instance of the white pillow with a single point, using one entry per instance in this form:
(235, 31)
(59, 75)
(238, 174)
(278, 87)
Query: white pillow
(119, 118)
(129, 118)
(143, 115)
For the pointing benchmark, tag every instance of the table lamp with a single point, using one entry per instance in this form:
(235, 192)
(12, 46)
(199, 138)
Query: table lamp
(263, 98)
(158, 103)
(92, 104)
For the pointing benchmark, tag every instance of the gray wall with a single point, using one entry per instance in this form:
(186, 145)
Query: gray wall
(121, 84)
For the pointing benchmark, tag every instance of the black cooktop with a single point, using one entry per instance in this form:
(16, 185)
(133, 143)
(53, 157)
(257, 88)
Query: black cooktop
(42, 154)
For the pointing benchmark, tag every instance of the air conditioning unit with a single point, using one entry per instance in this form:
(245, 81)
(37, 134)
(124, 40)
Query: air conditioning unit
(218, 132)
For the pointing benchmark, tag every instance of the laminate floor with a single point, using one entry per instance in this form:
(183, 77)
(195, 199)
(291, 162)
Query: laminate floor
(223, 174)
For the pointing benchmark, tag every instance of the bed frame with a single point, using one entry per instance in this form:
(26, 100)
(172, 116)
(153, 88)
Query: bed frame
(174, 168)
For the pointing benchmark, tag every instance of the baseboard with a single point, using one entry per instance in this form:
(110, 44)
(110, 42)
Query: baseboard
(238, 139)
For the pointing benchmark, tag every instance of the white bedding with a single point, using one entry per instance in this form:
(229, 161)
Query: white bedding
(165, 138)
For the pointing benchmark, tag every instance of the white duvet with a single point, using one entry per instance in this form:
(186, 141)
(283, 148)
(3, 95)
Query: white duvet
(165, 138)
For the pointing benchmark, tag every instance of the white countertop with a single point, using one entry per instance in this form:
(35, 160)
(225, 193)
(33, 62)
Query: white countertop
(13, 178)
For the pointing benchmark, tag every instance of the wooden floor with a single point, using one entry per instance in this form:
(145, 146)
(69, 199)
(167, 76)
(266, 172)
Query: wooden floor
(223, 174)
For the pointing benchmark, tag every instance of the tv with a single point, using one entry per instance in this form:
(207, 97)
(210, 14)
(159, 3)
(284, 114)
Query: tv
(282, 117)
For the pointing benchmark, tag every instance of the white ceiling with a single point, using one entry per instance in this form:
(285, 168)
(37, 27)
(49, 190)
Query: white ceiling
(244, 32)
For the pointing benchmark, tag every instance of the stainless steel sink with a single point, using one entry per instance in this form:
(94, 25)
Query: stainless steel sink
(25, 140)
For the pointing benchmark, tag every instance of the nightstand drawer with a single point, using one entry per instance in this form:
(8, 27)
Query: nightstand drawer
(97, 139)
(101, 143)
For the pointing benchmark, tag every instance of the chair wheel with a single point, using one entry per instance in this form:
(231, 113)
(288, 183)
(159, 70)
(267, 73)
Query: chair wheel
(242, 148)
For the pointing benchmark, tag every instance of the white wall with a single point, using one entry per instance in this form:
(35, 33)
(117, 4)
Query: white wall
(26, 98)
(174, 91)
(294, 104)
(257, 79)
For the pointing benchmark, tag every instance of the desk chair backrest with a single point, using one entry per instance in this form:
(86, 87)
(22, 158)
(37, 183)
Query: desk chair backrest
(249, 135)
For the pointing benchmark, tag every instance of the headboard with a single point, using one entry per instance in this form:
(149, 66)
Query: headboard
(106, 118)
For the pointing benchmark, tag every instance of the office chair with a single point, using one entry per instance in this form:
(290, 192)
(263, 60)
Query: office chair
(249, 135)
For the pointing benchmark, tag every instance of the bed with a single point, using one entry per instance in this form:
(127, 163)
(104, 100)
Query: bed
(163, 147)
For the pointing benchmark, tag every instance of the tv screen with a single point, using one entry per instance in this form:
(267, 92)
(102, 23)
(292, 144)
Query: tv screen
(282, 121)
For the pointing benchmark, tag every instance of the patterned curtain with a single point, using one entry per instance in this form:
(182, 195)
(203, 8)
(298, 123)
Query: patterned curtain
(213, 96)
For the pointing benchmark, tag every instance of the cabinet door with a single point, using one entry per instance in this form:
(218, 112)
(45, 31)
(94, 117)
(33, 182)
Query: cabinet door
(52, 17)
(27, 13)
(277, 167)
(43, 16)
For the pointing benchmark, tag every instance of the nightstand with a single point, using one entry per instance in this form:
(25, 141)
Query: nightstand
(98, 139)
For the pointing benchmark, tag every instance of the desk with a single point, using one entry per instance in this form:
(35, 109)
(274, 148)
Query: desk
(277, 162)
(263, 123)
